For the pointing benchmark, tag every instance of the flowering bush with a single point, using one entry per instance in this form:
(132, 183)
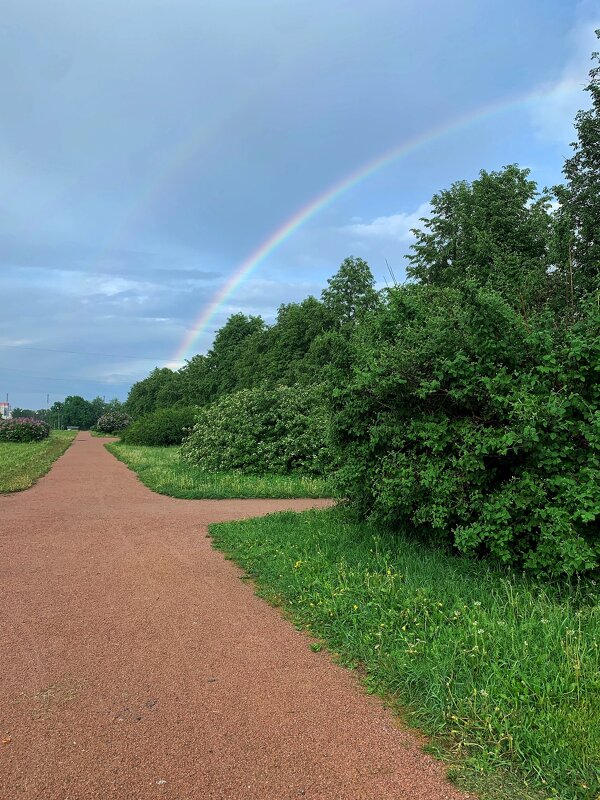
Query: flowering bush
(279, 430)
(23, 429)
(113, 421)
(164, 427)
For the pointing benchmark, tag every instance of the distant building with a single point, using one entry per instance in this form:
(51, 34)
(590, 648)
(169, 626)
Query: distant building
(5, 411)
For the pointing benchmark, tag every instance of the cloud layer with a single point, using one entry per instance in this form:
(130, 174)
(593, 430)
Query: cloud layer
(147, 148)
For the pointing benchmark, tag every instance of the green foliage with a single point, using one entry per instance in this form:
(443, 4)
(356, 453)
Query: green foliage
(350, 293)
(194, 381)
(276, 430)
(162, 470)
(159, 390)
(500, 671)
(246, 353)
(22, 463)
(24, 412)
(225, 355)
(283, 353)
(75, 411)
(167, 426)
(493, 232)
(23, 429)
(113, 422)
(464, 408)
(476, 427)
(579, 214)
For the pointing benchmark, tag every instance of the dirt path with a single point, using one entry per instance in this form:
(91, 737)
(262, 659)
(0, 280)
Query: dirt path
(136, 664)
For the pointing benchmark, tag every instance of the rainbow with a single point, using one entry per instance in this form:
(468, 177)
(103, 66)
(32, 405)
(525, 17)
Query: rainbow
(291, 225)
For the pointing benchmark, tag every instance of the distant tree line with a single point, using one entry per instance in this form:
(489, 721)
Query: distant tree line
(73, 411)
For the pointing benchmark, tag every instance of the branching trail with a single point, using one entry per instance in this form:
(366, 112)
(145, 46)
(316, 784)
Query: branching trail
(136, 663)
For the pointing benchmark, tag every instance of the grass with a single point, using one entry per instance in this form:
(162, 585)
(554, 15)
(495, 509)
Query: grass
(160, 469)
(22, 463)
(501, 672)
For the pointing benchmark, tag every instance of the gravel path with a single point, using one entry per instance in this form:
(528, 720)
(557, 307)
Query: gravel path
(136, 664)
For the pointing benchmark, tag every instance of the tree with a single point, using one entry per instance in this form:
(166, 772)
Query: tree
(114, 405)
(290, 339)
(247, 353)
(195, 381)
(493, 232)
(224, 356)
(76, 412)
(351, 291)
(159, 390)
(580, 198)
(23, 412)
(98, 406)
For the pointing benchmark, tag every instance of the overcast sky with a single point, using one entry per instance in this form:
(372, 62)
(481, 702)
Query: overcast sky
(147, 147)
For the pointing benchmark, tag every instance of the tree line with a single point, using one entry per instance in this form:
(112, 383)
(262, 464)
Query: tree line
(73, 411)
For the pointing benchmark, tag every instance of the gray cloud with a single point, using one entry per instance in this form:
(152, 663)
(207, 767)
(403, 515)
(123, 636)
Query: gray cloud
(149, 146)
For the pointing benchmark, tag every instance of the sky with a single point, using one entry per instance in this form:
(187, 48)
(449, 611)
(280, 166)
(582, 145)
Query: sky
(150, 148)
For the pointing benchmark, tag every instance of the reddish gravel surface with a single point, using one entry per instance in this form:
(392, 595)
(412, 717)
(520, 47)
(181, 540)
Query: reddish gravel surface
(136, 663)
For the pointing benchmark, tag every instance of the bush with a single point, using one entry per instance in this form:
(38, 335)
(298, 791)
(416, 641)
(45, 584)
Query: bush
(23, 429)
(167, 426)
(476, 426)
(278, 430)
(112, 422)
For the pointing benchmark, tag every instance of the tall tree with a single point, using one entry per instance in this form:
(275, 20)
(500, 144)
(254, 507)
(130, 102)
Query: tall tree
(98, 407)
(580, 198)
(159, 390)
(494, 232)
(224, 356)
(76, 411)
(195, 381)
(23, 412)
(351, 291)
(290, 339)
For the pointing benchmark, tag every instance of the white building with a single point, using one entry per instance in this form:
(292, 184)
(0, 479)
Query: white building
(5, 411)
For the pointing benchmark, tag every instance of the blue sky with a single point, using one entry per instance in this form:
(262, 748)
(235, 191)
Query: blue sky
(147, 147)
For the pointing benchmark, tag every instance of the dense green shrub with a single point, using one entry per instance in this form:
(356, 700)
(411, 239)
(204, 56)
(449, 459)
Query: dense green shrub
(167, 426)
(23, 429)
(279, 430)
(477, 426)
(113, 421)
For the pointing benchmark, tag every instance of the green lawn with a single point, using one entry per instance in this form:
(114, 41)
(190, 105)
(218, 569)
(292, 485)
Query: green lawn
(22, 463)
(160, 469)
(502, 673)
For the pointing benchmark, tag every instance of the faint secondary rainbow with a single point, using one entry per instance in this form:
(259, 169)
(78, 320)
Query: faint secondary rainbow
(252, 261)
